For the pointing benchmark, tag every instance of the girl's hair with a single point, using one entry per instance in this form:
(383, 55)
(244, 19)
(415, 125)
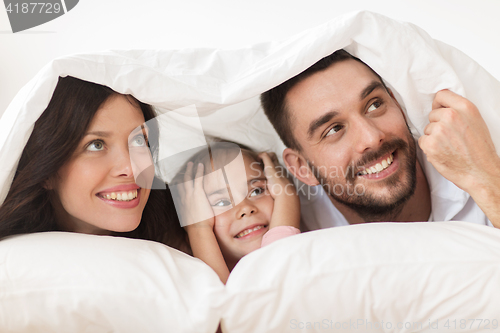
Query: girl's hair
(56, 135)
(216, 146)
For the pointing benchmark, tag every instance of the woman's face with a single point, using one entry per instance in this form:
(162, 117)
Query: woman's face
(96, 190)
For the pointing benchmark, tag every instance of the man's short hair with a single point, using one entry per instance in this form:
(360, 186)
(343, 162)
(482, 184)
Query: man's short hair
(274, 100)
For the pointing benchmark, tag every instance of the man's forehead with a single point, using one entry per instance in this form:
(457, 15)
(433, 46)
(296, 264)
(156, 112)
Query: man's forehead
(323, 91)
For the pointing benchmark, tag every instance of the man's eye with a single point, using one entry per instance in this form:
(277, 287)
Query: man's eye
(334, 130)
(222, 203)
(375, 105)
(96, 145)
(257, 191)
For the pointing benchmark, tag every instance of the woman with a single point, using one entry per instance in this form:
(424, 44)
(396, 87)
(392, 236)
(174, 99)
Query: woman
(75, 172)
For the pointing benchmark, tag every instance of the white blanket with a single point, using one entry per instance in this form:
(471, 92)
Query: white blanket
(414, 65)
(439, 271)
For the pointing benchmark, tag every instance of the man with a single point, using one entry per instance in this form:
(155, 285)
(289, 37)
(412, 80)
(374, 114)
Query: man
(346, 132)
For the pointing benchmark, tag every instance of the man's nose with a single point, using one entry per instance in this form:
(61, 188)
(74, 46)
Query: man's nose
(367, 135)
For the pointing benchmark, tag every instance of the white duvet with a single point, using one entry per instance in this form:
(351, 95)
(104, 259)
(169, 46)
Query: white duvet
(426, 273)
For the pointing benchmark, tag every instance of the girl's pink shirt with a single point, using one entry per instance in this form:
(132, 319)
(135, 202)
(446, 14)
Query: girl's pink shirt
(277, 233)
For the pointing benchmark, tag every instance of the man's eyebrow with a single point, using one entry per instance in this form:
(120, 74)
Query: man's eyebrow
(317, 123)
(370, 88)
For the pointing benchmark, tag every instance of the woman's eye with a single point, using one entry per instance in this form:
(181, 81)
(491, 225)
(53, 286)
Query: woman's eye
(96, 145)
(139, 141)
(222, 203)
(334, 130)
(257, 191)
(375, 105)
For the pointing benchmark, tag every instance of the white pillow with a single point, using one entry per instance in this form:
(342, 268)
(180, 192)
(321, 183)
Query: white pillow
(68, 282)
(402, 277)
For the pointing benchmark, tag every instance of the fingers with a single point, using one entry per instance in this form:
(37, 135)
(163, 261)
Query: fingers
(269, 166)
(274, 158)
(189, 182)
(446, 99)
(188, 187)
(198, 181)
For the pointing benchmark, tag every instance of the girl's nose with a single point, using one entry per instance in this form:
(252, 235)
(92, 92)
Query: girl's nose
(247, 209)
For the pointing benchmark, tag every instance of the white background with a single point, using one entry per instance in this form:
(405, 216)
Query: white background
(96, 25)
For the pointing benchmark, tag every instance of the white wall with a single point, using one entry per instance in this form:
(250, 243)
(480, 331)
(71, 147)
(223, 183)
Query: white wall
(96, 25)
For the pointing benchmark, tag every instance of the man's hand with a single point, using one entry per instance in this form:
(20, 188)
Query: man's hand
(458, 144)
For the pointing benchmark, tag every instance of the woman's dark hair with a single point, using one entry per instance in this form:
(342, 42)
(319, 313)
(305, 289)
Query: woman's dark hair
(56, 135)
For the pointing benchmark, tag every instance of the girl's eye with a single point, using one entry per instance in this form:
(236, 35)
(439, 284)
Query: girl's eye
(257, 191)
(96, 145)
(375, 105)
(139, 141)
(334, 130)
(222, 203)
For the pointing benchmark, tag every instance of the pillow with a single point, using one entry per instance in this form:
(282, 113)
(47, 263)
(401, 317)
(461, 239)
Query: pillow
(377, 277)
(68, 282)
(399, 276)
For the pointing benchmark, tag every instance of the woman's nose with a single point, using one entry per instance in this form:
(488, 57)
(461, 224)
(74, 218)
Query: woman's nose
(122, 165)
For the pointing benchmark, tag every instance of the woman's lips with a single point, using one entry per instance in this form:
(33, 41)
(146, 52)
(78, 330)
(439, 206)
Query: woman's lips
(122, 196)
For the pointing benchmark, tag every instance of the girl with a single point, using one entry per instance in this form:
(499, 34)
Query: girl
(270, 210)
(75, 172)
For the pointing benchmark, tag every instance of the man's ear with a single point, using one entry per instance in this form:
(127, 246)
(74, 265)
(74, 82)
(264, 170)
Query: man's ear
(299, 167)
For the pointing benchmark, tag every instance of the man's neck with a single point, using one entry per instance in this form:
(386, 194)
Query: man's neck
(417, 208)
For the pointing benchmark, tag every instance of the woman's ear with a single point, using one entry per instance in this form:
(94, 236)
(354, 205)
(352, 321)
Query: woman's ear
(49, 184)
(298, 166)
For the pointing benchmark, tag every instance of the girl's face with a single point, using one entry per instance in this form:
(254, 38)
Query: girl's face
(239, 230)
(96, 190)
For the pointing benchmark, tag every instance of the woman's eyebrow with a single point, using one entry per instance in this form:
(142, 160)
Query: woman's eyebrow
(99, 133)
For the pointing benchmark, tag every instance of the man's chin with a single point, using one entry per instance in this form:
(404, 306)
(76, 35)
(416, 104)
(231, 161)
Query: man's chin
(380, 200)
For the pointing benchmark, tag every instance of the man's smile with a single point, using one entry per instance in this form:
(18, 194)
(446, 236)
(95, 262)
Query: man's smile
(381, 168)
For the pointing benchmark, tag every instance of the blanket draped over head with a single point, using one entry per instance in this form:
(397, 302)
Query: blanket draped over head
(224, 85)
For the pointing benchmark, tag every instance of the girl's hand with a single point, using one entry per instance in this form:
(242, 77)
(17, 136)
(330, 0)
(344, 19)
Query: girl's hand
(277, 182)
(196, 209)
(286, 210)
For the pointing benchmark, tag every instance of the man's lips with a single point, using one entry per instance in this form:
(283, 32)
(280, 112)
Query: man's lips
(250, 231)
(380, 164)
(381, 168)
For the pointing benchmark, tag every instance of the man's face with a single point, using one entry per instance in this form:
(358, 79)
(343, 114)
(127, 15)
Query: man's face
(355, 138)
